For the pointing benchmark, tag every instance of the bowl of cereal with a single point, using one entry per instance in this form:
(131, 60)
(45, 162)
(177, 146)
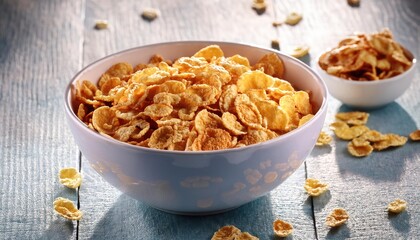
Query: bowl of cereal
(201, 128)
(367, 70)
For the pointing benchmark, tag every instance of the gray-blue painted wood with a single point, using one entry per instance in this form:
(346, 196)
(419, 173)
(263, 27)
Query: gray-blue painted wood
(44, 43)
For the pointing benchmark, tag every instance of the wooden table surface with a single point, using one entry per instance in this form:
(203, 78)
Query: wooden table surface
(44, 43)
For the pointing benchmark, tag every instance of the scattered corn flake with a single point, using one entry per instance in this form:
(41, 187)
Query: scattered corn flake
(65, 208)
(259, 6)
(359, 142)
(415, 135)
(393, 140)
(314, 187)
(70, 177)
(276, 23)
(150, 14)
(373, 136)
(246, 236)
(282, 228)
(300, 51)
(275, 44)
(359, 150)
(353, 118)
(231, 232)
(337, 217)
(397, 206)
(354, 3)
(348, 133)
(293, 18)
(323, 139)
(101, 24)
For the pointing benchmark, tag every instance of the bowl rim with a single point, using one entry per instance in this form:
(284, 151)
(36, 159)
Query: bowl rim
(73, 117)
(373, 82)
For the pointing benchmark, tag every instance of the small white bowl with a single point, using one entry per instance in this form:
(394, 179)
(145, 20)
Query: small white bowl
(368, 94)
(207, 181)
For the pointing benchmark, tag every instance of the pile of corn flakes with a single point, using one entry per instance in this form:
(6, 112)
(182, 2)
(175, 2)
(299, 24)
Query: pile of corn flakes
(366, 57)
(204, 102)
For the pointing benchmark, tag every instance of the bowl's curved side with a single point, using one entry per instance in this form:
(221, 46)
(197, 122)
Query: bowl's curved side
(199, 182)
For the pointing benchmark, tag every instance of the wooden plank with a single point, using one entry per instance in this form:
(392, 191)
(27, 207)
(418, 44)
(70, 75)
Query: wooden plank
(178, 20)
(39, 46)
(110, 214)
(365, 186)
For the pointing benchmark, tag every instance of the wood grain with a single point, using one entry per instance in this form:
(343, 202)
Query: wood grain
(37, 45)
(44, 43)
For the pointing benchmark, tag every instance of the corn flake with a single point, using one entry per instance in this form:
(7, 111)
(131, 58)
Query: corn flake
(343, 131)
(323, 139)
(397, 206)
(230, 122)
(359, 149)
(101, 24)
(206, 119)
(300, 51)
(247, 111)
(163, 137)
(254, 80)
(393, 140)
(337, 217)
(415, 135)
(210, 52)
(282, 228)
(231, 232)
(150, 14)
(314, 187)
(353, 118)
(212, 139)
(65, 208)
(372, 136)
(276, 118)
(293, 18)
(259, 6)
(271, 64)
(70, 177)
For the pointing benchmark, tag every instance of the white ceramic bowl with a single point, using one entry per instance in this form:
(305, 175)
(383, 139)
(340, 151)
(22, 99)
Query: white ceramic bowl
(368, 94)
(199, 182)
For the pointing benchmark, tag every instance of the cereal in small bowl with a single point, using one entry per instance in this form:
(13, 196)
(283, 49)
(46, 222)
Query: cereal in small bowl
(367, 70)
